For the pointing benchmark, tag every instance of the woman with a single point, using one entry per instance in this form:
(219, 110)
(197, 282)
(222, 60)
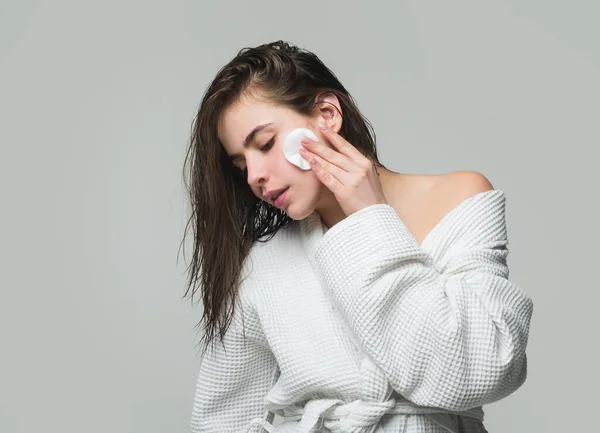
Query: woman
(360, 299)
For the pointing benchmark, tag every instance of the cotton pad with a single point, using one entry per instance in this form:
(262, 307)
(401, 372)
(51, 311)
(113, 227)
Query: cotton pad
(291, 146)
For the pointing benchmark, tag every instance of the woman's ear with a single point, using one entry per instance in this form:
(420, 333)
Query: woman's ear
(328, 111)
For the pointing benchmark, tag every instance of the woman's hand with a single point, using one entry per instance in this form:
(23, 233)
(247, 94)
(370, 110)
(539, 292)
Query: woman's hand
(350, 175)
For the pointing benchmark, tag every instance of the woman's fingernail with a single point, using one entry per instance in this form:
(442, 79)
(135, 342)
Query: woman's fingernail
(305, 140)
(322, 126)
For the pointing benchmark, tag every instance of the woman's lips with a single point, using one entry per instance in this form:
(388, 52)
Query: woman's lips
(281, 199)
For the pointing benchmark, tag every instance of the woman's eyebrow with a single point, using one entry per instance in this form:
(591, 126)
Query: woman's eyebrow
(249, 138)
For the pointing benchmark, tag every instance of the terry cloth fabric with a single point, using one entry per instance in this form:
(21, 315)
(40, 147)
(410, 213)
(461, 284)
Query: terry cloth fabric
(360, 329)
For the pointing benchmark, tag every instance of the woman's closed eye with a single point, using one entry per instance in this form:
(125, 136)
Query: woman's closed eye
(264, 148)
(268, 144)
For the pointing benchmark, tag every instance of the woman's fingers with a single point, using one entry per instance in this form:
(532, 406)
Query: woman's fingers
(345, 148)
(329, 174)
(330, 155)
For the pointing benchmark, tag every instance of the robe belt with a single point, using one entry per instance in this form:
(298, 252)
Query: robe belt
(357, 416)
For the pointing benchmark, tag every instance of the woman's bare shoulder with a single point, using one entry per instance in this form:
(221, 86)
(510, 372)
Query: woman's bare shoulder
(455, 187)
(422, 200)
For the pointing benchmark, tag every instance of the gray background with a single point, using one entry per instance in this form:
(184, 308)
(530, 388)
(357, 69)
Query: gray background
(96, 103)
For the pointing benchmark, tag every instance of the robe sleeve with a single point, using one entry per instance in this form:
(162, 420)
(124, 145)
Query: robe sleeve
(233, 380)
(450, 333)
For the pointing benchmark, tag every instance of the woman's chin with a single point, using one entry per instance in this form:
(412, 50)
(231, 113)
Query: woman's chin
(297, 214)
(301, 209)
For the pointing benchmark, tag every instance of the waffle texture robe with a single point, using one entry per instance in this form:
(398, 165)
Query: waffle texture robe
(359, 329)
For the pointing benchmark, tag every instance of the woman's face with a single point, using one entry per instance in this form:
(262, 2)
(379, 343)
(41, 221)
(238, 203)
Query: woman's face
(266, 167)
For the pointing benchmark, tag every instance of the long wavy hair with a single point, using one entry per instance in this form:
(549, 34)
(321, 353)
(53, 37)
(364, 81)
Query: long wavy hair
(226, 217)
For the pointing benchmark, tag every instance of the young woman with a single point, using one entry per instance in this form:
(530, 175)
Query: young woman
(356, 300)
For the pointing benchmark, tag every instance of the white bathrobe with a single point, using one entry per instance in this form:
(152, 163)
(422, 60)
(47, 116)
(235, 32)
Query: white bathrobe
(361, 329)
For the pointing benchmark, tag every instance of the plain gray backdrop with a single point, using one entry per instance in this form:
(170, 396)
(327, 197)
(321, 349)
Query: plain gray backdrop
(96, 104)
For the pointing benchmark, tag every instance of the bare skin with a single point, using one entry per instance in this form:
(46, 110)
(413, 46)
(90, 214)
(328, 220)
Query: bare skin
(420, 200)
(413, 198)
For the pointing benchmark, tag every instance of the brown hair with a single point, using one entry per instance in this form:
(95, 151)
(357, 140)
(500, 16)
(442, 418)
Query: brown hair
(226, 216)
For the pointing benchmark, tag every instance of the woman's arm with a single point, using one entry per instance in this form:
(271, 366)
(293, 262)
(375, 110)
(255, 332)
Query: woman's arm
(450, 334)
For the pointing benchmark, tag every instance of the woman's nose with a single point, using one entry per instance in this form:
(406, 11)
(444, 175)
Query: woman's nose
(257, 172)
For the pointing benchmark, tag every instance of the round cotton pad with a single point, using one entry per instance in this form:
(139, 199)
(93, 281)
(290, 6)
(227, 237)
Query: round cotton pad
(292, 143)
